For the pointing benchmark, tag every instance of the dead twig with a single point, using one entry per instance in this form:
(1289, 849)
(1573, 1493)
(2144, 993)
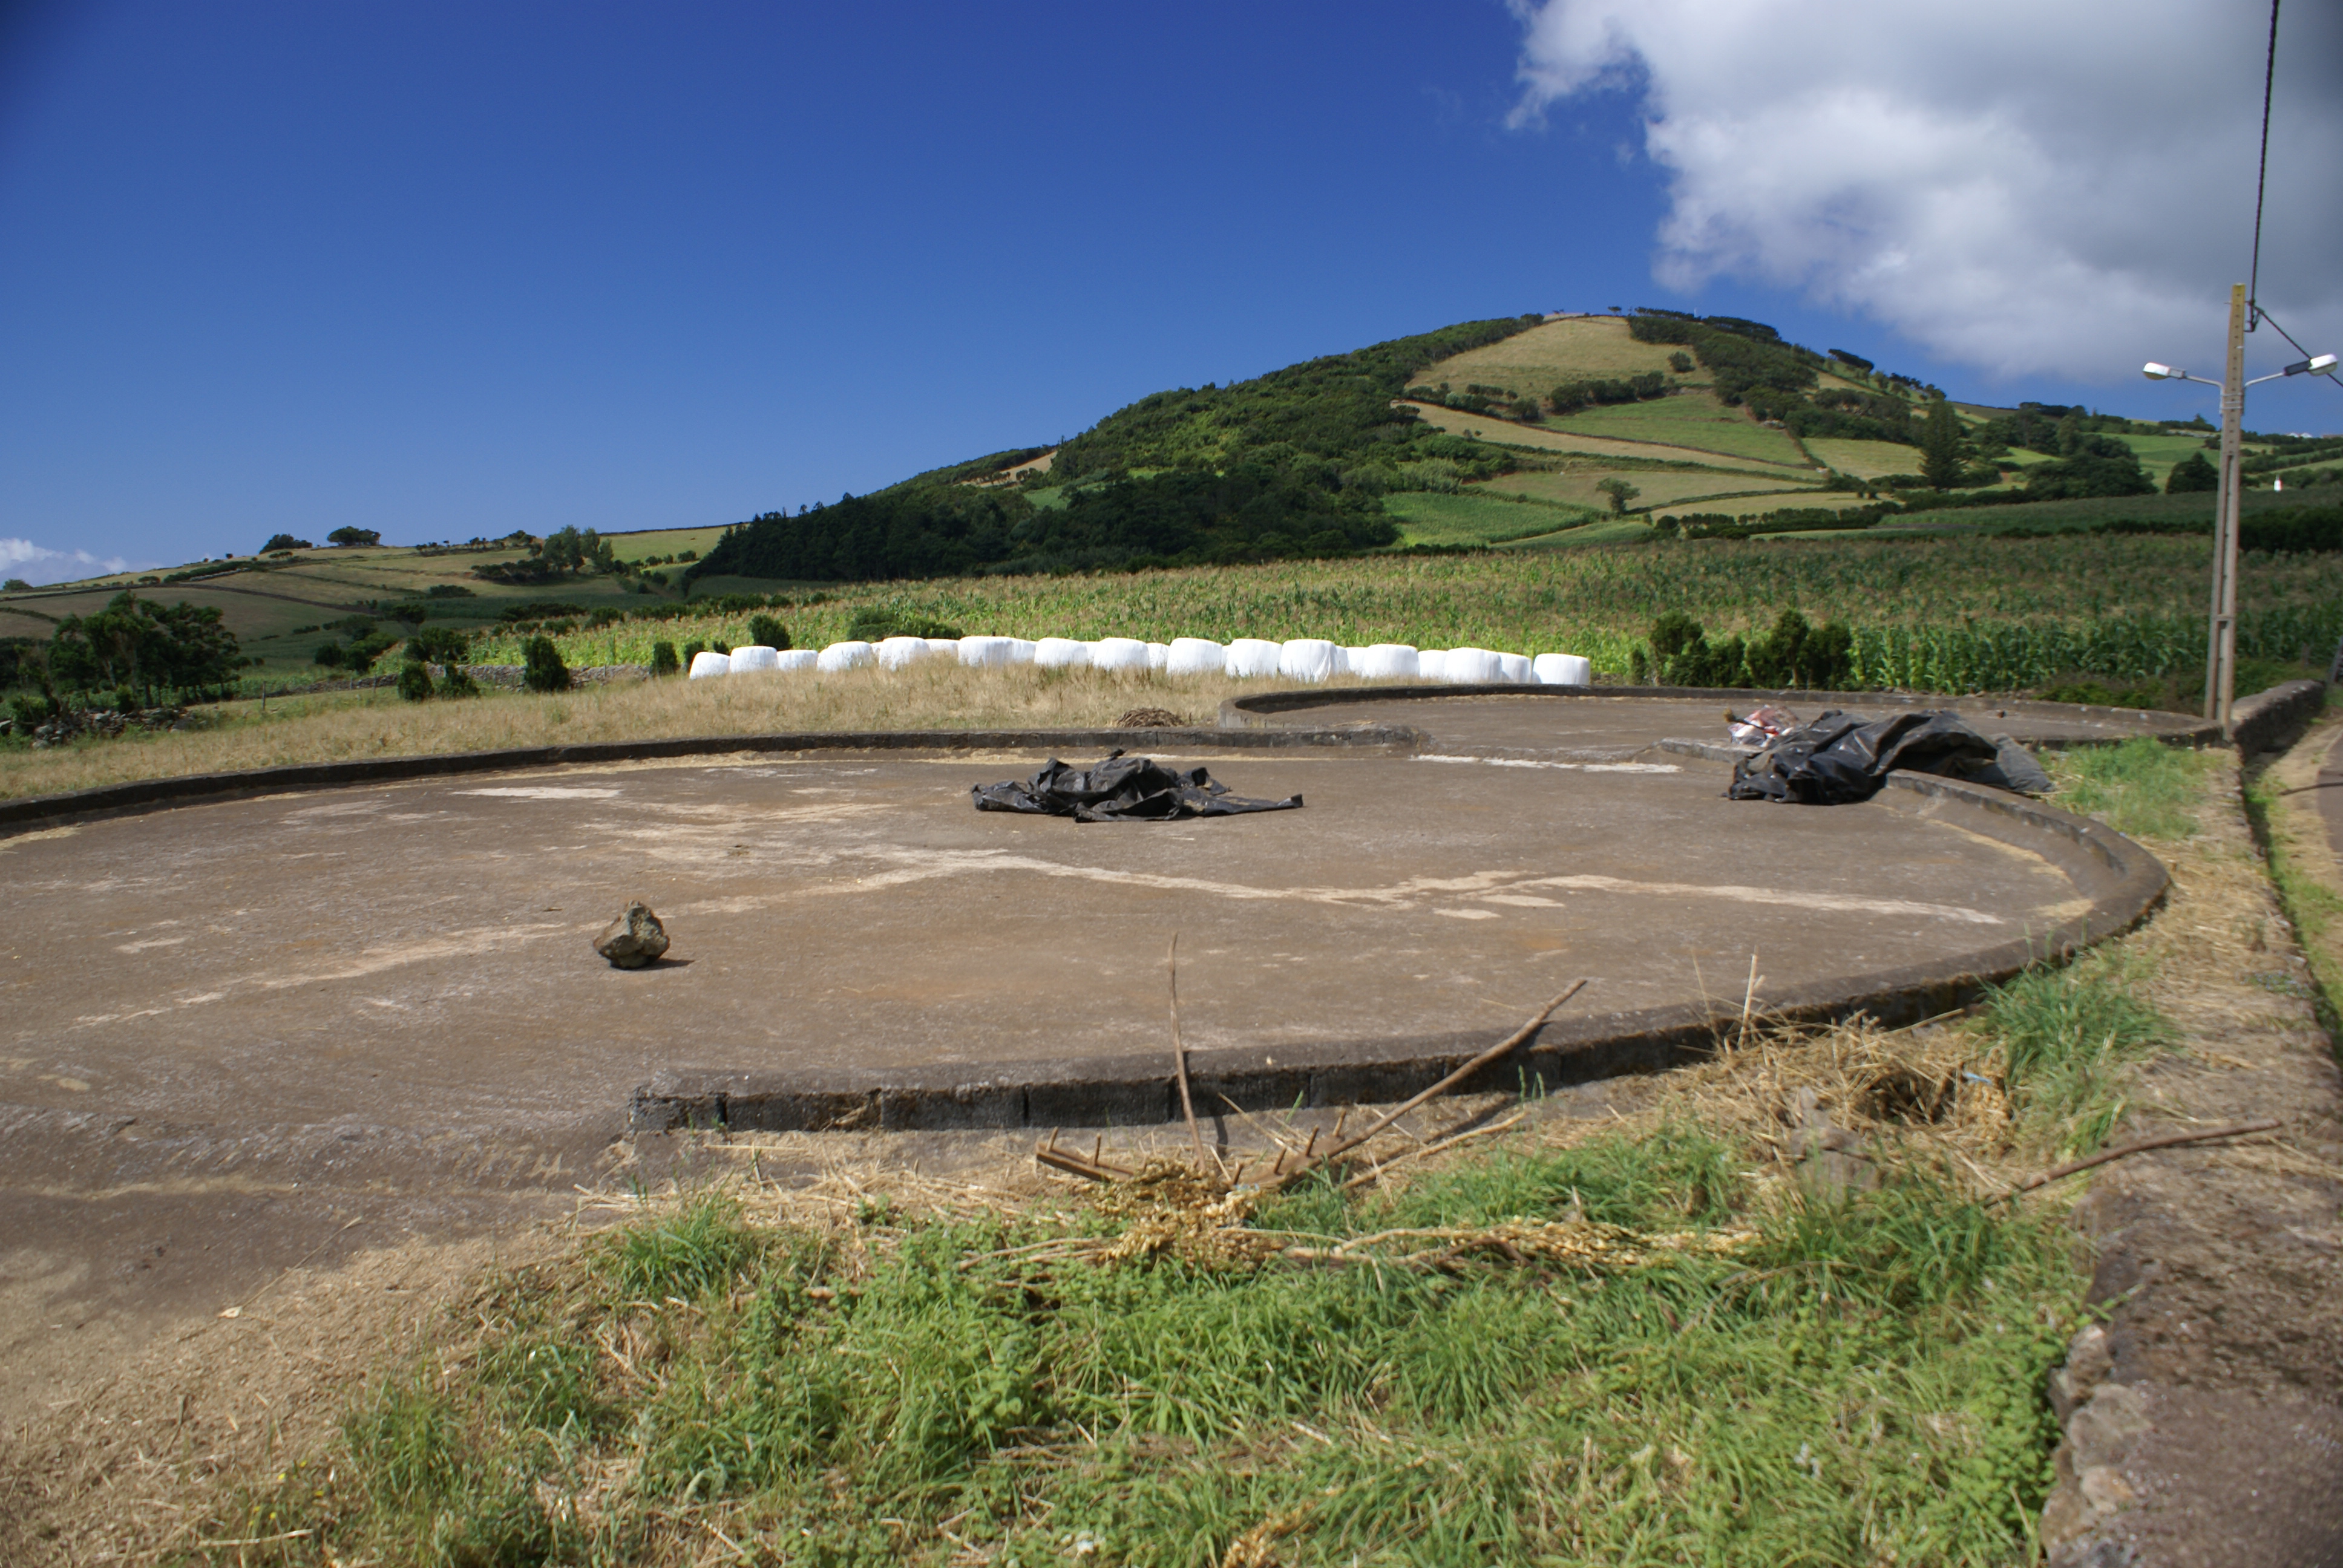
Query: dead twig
(1364, 1177)
(1090, 1168)
(2168, 1141)
(1180, 1053)
(1344, 1147)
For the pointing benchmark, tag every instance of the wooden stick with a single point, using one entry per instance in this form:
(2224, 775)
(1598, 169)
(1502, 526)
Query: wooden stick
(2168, 1141)
(1445, 1084)
(1091, 1170)
(1180, 1054)
(1367, 1176)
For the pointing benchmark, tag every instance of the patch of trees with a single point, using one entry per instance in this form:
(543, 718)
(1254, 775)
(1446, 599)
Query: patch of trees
(2094, 466)
(1795, 654)
(910, 531)
(136, 645)
(1853, 361)
(349, 538)
(565, 553)
(2291, 530)
(284, 542)
(2191, 474)
(1572, 395)
(1747, 361)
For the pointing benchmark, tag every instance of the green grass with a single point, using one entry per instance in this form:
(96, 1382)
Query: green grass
(1473, 518)
(1860, 1383)
(2138, 787)
(2082, 514)
(1691, 418)
(2066, 1036)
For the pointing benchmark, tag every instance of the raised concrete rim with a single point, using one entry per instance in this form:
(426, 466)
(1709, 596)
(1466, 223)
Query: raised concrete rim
(1249, 712)
(31, 812)
(1138, 1087)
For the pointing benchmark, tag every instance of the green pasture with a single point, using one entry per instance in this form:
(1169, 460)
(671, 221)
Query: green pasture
(1476, 517)
(1864, 460)
(1574, 484)
(1692, 419)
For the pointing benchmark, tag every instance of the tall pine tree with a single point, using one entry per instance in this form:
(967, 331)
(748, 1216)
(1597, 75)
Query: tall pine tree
(1940, 446)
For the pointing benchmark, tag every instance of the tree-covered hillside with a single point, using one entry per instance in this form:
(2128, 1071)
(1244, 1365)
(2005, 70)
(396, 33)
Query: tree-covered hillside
(1287, 465)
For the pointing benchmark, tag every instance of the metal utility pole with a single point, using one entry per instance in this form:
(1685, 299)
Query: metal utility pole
(2221, 639)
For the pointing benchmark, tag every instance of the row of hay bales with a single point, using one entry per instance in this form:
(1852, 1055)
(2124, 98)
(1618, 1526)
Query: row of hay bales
(1305, 659)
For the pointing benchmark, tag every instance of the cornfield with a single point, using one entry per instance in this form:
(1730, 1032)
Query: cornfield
(1940, 615)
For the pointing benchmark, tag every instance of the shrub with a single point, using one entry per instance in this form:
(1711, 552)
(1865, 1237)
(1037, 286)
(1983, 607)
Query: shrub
(692, 650)
(351, 537)
(663, 659)
(1680, 362)
(767, 631)
(2190, 474)
(457, 682)
(448, 591)
(414, 681)
(1620, 491)
(439, 645)
(543, 670)
(284, 542)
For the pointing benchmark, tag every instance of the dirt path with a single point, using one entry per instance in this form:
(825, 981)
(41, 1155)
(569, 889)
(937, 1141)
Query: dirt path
(2205, 1422)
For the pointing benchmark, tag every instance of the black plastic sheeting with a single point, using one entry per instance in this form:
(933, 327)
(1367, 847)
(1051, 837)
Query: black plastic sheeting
(1121, 790)
(1840, 758)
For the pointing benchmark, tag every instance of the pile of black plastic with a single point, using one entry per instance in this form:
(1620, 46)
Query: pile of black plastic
(1121, 790)
(1840, 758)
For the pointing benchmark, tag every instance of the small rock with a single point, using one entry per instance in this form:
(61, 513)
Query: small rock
(635, 938)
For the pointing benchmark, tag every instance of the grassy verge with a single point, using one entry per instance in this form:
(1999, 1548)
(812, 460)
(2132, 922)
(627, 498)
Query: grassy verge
(2286, 822)
(1734, 1381)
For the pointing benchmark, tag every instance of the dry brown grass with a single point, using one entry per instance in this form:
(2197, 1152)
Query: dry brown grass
(1533, 363)
(342, 726)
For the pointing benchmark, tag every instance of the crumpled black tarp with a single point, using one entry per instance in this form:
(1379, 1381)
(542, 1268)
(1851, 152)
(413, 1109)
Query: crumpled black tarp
(1121, 790)
(1840, 758)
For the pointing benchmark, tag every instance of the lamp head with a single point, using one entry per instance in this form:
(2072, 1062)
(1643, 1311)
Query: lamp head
(2320, 365)
(2156, 372)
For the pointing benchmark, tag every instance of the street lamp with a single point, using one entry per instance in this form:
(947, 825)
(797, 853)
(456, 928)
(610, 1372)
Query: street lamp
(2221, 633)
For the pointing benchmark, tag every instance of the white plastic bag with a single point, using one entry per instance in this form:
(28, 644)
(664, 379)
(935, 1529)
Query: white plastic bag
(1127, 654)
(1194, 655)
(1310, 659)
(1251, 658)
(753, 657)
(1389, 661)
(841, 656)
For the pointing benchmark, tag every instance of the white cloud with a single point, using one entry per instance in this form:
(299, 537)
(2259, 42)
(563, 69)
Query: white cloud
(2025, 188)
(24, 558)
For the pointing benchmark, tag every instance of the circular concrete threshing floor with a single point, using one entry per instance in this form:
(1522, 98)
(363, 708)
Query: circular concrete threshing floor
(416, 956)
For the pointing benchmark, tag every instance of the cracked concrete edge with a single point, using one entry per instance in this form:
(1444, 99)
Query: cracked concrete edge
(1137, 1089)
(1252, 712)
(138, 795)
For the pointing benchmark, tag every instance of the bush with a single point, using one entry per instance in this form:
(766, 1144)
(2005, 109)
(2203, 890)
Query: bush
(691, 650)
(351, 537)
(876, 625)
(663, 659)
(439, 645)
(2191, 474)
(1795, 653)
(543, 670)
(769, 632)
(284, 542)
(457, 683)
(415, 682)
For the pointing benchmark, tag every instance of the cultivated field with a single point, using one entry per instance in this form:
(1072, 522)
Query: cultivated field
(1533, 363)
(1691, 419)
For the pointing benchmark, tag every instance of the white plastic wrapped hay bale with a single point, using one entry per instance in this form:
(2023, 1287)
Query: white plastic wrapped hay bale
(1158, 654)
(752, 658)
(705, 664)
(795, 658)
(1251, 658)
(1562, 670)
(1389, 661)
(946, 647)
(1432, 664)
(1194, 655)
(841, 656)
(1021, 650)
(1126, 655)
(1310, 659)
(1514, 666)
(899, 652)
(984, 652)
(1060, 653)
(1348, 660)
(1473, 667)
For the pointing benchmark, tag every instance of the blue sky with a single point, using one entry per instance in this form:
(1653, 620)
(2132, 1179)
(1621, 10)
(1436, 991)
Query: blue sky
(445, 270)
